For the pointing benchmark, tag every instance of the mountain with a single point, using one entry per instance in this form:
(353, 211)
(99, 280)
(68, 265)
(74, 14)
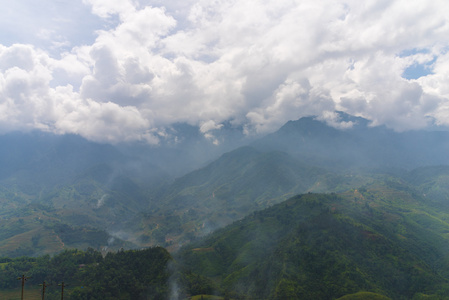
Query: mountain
(183, 148)
(129, 191)
(306, 155)
(380, 231)
(233, 186)
(432, 182)
(85, 185)
(48, 182)
(37, 230)
(359, 146)
(36, 161)
(383, 238)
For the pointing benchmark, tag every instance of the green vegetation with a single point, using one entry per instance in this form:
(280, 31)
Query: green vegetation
(382, 238)
(136, 274)
(364, 296)
(38, 230)
(238, 183)
(380, 232)
(206, 297)
(30, 293)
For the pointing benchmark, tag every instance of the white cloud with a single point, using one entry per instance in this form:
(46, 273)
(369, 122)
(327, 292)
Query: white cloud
(24, 78)
(107, 122)
(258, 63)
(108, 8)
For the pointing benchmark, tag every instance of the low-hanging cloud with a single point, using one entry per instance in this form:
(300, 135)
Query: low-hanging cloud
(255, 64)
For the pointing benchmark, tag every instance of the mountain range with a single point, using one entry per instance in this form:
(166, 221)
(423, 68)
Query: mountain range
(309, 211)
(132, 194)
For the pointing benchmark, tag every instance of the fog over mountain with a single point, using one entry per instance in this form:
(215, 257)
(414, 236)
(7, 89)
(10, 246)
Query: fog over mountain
(246, 136)
(359, 145)
(189, 186)
(386, 194)
(58, 159)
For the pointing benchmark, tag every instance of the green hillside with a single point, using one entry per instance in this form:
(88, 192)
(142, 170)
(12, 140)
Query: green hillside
(367, 225)
(382, 238)
(109, 194)
(432, 182)
(62, 192)
(235, 185)
(133, 274)
(80, 215)
(38, 230)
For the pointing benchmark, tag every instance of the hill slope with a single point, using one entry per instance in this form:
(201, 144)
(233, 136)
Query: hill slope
(382, 238)
(120, 190)
(51, 182)
(233, 186)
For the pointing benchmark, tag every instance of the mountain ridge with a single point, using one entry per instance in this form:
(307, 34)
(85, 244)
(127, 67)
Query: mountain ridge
(358, 146)
(325, 246)
(123, 192)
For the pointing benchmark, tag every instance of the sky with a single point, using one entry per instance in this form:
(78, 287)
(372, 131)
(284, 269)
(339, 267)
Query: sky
(125, 70)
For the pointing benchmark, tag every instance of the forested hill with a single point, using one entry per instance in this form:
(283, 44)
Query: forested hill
(146, 274)
(137, 274)
(59, 192)
(383, 238)
(228, 189)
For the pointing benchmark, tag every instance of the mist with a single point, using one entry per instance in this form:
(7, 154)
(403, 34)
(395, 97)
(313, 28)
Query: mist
(204, 182)
(269, 150)
(196, 191)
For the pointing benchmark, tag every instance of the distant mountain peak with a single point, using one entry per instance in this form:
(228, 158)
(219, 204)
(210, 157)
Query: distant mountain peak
(356, 121)
(315, 140)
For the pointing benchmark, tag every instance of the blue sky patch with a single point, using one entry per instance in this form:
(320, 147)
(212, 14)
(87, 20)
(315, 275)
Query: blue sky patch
(413, 51)
(416, 70)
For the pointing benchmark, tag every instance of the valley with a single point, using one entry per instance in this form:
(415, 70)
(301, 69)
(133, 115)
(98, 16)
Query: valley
(308, 211)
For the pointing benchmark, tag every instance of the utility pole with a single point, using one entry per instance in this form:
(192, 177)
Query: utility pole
(23, 278)
(44, 285)
(62, 290)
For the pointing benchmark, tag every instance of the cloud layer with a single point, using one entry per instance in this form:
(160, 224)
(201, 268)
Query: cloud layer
(254, 63)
